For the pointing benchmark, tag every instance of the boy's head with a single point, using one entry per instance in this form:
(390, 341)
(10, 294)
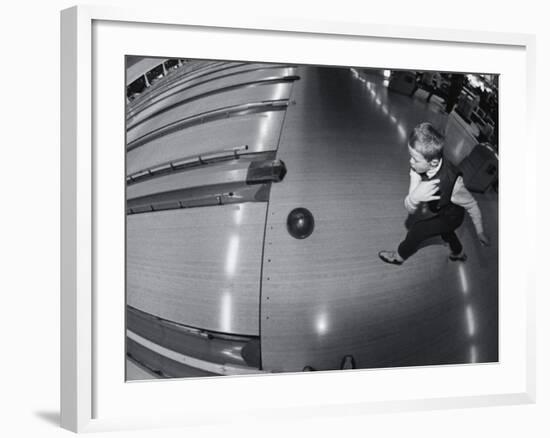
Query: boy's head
(425, 147)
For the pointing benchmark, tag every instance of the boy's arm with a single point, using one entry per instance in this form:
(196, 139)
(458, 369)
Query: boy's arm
(410, 205)
(461, 196)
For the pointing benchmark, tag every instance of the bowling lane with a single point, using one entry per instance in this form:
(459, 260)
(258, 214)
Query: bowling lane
(199, 267)
(227, 99)
(187, 92)
(246, 134)
(188, 75)
(329, 295)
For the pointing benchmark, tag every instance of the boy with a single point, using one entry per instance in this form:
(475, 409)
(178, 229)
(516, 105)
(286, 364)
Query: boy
(437, 199)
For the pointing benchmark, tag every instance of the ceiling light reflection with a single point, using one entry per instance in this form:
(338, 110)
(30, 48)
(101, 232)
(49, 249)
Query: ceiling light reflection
(234, 353)
(238, 215)
(463, 279)
(226, 310)
(232, 255)
(264, 130)
(402, 131)
(321, 323)
(473, 354)
(281, 92)
(470, 322)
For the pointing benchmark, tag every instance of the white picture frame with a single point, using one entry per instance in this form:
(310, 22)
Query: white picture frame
(92, 394)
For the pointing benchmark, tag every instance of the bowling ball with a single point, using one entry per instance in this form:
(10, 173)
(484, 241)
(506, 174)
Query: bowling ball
(300, 223)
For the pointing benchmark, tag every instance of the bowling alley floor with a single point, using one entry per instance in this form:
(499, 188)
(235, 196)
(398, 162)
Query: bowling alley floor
(430, 310)
(466, 293)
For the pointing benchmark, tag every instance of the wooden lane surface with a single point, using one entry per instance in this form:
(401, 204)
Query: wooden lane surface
(187, 70)
(329, 295)
(211, 103)
(160, 87)
(189, 74)
(260, 132)
(187, 91)
(211, 175)
(198, 267)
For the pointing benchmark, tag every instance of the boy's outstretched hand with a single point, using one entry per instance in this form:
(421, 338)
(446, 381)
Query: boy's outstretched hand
(425, 191)
(483, 239)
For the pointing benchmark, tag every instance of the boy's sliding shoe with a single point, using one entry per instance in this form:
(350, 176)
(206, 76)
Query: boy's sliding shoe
(390, 257)
(462, 257)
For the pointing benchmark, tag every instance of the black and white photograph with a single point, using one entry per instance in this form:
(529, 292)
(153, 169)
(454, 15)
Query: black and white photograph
(292, 218)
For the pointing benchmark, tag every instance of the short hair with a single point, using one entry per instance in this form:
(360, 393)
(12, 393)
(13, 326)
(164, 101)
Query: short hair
(427, 140)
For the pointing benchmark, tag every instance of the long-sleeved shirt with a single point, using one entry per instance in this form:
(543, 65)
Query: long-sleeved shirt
(461, 196)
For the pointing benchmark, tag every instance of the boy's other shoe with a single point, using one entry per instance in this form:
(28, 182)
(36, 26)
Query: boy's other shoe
(390, 257)
(462, 257)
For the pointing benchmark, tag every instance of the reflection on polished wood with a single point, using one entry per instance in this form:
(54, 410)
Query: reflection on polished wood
(185, 72)
(223, 100)
(260, 132)
(188, 75)
(211, 175)
(210, 86)
(329, 295)
(198, 267)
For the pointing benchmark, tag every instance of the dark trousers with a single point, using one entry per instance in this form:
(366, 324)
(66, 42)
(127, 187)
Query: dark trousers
(443, 225)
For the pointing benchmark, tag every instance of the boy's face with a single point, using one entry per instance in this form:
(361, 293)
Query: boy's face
(419, 163)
